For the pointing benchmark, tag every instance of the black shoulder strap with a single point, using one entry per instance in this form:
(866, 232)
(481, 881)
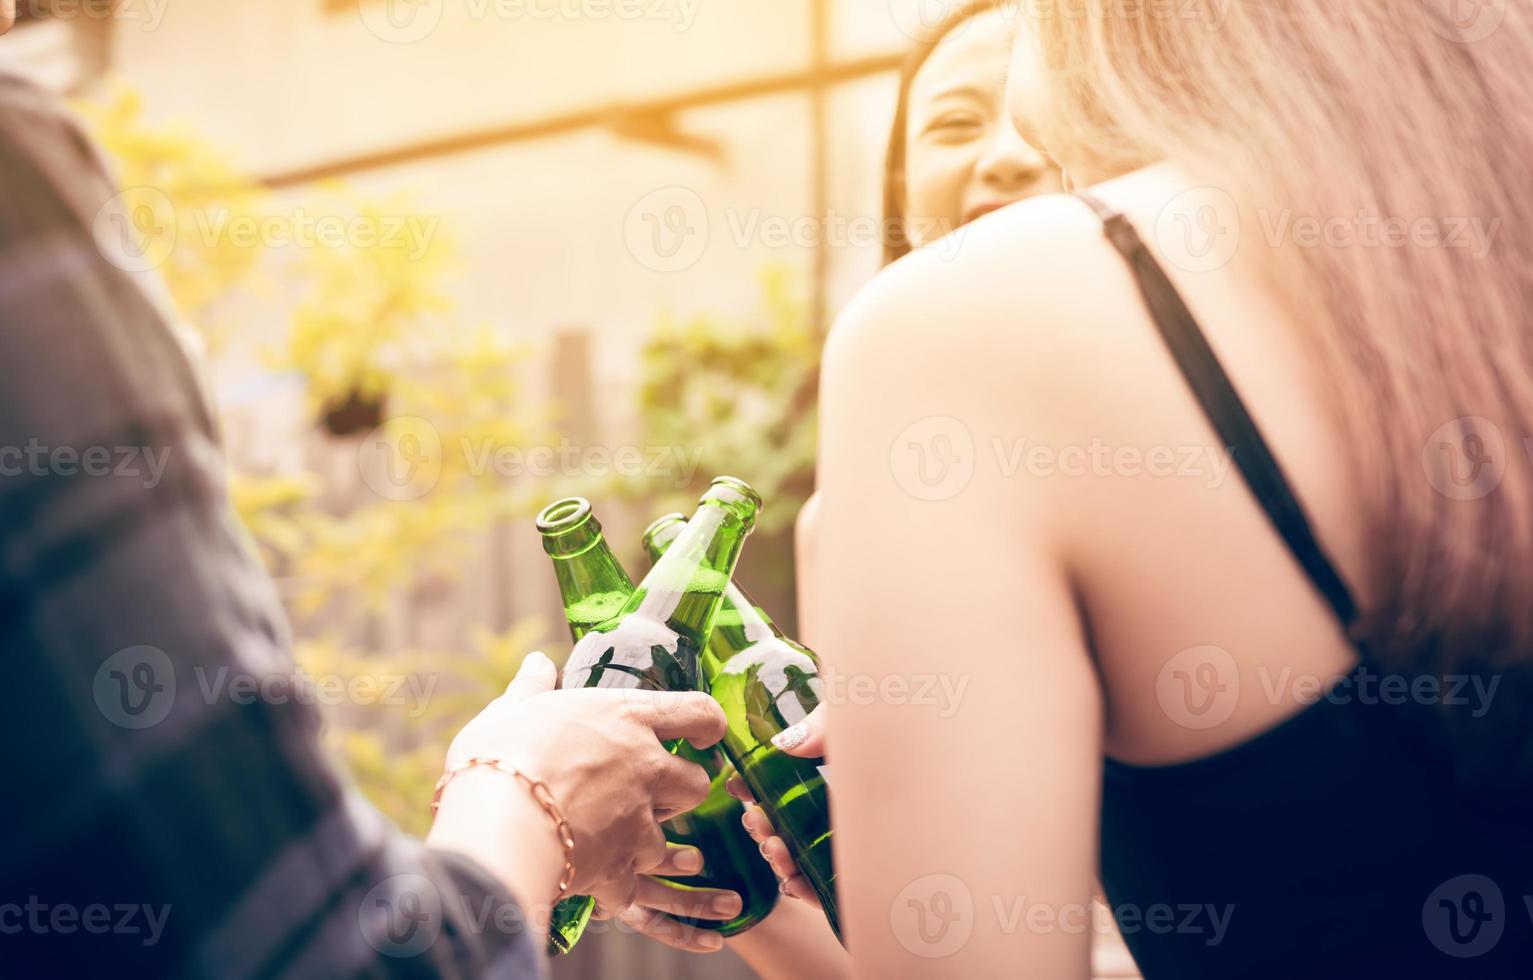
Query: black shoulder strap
(1223, 407)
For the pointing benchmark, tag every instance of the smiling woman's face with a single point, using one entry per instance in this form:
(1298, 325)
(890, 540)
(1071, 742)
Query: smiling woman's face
(964, 157)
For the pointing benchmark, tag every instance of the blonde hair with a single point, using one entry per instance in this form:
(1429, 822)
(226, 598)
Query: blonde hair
(1353, 108)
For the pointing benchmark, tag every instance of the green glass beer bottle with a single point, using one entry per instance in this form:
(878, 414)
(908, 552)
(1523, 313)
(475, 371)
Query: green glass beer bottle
(766, 683)
(593, 587)
(649, 638)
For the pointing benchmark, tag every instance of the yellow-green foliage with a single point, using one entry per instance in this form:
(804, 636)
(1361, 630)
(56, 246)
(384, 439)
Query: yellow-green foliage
(741, 393)
(373, 320)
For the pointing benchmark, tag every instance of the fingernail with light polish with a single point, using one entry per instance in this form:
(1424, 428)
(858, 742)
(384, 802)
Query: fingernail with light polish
(790, 738)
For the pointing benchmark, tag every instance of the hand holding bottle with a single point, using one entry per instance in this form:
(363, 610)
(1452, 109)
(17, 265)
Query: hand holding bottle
(600, 754)
(805, 740)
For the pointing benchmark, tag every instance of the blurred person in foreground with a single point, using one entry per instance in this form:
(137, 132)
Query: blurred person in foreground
(1277, 686)
(160, 823)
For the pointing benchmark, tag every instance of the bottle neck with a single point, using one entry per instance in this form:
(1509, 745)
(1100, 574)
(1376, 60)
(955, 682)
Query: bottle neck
(592, 583)
(687, 584)
(742, 622)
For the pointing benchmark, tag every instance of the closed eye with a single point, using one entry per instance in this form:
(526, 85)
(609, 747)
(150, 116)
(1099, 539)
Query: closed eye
(953, 125)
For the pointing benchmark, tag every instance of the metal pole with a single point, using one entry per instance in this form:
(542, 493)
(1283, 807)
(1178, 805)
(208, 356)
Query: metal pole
(819, 96)
(609, 116)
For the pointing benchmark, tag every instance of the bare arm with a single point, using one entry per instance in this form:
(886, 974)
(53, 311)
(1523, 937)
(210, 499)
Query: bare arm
(805, 534)
(793, 943)
(966, 819)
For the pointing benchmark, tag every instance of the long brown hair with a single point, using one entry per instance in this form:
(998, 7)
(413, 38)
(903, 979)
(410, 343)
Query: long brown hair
(896, 242)
(1342, 108)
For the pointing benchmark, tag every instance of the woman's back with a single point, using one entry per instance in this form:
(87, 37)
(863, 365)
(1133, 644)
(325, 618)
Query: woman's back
(1065, 530)
(1246, 829)
(1301, 788)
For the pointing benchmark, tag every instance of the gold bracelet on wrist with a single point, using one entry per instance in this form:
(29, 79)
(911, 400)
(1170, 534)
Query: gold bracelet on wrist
(539, 791)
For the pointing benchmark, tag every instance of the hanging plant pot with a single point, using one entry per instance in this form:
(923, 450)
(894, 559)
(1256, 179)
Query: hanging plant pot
(356, 414)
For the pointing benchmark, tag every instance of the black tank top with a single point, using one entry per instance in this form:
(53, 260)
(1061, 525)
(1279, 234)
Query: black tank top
(1340, 843)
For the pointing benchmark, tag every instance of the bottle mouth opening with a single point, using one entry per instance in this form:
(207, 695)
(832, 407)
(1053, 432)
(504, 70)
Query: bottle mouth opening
(664, 529)
(563, 516)
(739, 487)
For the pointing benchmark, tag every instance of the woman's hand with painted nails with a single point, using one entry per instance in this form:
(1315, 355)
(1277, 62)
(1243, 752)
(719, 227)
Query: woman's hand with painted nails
(805, 740)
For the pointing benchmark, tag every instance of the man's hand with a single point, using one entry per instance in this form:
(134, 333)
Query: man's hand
(656, 902)
(601, 756)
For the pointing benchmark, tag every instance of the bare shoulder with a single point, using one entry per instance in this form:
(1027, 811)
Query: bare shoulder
(1027, 314)
(1006, 273)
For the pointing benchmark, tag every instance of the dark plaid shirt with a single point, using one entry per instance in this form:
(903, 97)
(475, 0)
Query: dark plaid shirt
(147, 826)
